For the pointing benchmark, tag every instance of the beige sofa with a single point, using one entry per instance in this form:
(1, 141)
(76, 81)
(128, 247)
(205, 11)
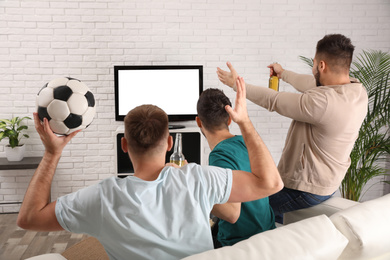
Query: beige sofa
(335, 229)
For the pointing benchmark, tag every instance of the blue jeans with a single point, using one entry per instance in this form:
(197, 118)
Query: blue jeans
(289, 200)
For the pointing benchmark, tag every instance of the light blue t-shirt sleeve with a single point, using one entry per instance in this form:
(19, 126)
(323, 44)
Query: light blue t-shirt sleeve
(219, 181)
(80, 212)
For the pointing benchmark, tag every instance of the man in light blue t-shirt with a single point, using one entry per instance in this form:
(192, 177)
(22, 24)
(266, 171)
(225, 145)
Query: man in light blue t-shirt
(238, 221)
(162, 211)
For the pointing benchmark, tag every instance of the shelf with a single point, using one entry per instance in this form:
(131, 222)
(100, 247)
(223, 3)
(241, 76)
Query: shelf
(26, 163)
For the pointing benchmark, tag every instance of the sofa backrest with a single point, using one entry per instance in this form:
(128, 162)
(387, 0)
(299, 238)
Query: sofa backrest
(313, 238)
(328, 207)
(367, 227)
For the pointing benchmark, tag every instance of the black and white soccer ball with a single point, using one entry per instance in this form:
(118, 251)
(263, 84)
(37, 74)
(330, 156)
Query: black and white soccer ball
(67, 103)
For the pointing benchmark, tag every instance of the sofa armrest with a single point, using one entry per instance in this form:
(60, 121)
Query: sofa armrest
(328, 207)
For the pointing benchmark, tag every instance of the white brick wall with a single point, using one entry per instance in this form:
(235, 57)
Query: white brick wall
(41, 40)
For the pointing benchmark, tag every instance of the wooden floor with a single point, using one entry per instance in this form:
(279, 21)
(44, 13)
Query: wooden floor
(17, 243)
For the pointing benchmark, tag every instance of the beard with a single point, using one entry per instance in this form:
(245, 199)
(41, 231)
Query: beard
(317, 76)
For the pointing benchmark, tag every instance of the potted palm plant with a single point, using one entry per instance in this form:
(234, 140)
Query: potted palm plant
(12, 129)
(372, 147)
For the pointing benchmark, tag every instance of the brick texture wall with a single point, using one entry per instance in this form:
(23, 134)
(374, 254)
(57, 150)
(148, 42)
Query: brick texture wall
(41, 40)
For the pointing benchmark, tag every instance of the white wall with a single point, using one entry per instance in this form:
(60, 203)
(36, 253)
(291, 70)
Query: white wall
(41, 40)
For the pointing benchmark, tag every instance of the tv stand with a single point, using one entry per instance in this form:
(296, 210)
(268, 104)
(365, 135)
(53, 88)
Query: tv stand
(176, 126)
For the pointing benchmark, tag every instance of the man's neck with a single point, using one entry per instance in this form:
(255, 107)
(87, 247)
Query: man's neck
(214, 138)
(148, 169)
(336, 79)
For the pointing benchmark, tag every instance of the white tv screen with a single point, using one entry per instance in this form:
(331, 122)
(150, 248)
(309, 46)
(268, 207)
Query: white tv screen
(175, 89)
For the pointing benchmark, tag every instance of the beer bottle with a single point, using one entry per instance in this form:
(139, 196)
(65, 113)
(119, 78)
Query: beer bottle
(274, 82)
(177, 157)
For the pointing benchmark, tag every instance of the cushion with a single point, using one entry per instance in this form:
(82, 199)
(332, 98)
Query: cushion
(328, 207)
(312, 238)
(366, 226)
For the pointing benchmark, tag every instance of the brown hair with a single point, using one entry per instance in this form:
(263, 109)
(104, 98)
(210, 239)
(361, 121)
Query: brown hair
(146, 126)
(336, 50)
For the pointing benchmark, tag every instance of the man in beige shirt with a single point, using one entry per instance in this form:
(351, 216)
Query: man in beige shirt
(327, 116)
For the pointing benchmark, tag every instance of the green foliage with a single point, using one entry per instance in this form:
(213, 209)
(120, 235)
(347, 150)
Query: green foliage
(372, 147)
(308, 61)
(12, 130)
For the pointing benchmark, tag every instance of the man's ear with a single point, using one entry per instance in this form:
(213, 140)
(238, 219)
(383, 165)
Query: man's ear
(124, 145)
(229, 121)
(170, 142)
(198, 122)
(322, 66)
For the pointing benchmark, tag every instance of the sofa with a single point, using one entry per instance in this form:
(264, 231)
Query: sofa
(335, 229)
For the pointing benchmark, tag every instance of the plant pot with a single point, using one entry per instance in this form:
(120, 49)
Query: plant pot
(15, 154)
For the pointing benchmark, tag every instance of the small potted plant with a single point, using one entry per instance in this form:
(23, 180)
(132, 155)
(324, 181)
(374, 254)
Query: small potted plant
(12, 129)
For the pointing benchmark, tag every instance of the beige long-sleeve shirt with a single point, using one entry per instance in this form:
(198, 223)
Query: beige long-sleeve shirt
(325, 126)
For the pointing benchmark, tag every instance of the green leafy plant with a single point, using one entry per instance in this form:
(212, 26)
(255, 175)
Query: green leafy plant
(372, 147)
(12, 130)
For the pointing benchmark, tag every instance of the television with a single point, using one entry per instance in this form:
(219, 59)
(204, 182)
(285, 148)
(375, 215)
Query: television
(173, 88)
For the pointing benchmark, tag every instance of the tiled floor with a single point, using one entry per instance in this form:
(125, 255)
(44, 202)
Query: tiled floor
(16, 243)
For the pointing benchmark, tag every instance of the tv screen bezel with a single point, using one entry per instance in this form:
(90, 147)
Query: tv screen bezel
(171, 118)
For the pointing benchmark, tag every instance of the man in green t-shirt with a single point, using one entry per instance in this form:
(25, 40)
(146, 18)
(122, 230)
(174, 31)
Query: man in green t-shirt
(238, 221)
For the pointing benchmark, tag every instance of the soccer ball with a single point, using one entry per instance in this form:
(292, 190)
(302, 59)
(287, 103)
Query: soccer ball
(67, 103)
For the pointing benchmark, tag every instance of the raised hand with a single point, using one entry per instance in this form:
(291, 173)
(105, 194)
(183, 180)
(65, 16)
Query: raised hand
(240, 113)
(277, 68)
(53, 144)
(226, 77)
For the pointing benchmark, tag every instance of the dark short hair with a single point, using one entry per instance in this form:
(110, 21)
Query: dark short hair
(211, 109)
(146, 126)
(336, 50)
